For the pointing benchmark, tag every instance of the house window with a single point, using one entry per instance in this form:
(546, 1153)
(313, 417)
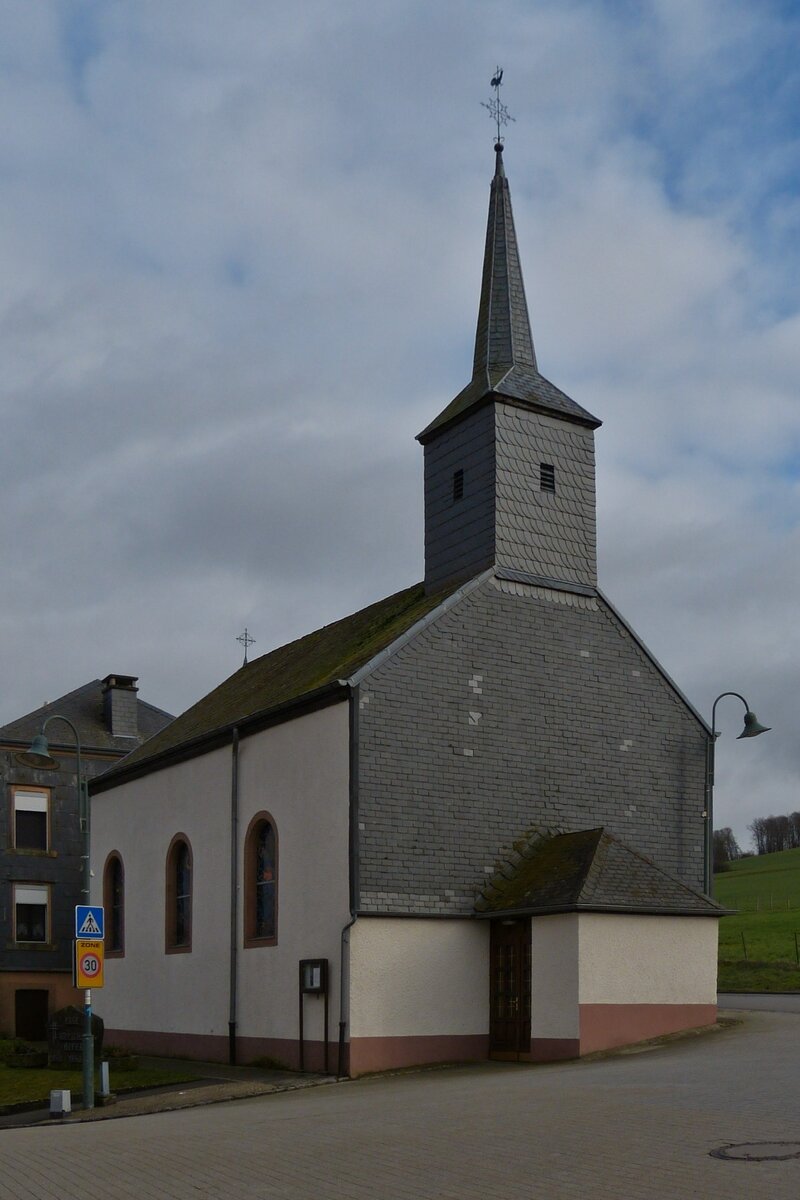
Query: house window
(31, 912)
(31, 818)
(179, 895)
(261, 882)
(458, 484)
(547, 477)
(114, 902)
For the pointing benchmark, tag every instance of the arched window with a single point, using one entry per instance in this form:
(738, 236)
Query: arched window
(114, 903)
(179, 896)
(261, 882)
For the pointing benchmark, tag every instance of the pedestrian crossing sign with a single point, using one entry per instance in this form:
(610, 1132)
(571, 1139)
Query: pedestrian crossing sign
(89, 921)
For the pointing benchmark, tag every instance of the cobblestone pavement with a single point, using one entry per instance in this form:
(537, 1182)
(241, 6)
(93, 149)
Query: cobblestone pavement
(637, 1126)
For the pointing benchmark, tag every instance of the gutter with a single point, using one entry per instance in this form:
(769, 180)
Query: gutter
(713, 910)
(212, 739)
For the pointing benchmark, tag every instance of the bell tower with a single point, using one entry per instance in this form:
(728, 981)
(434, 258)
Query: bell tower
(509, 464)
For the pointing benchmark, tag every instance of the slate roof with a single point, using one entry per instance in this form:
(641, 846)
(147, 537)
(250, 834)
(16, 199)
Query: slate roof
(504, 365)
(299, 670)
(84, 707)
(587, 871)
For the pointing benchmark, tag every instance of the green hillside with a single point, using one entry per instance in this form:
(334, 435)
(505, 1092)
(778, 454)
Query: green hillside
(768, 881)
(758, 949)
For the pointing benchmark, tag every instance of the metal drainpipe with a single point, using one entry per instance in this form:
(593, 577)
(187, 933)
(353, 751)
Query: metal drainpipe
(353, 855)
(234, 893)
(342, 1022)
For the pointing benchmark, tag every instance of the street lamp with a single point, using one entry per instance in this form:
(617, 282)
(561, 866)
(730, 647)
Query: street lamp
(39, 757)
(752, 728)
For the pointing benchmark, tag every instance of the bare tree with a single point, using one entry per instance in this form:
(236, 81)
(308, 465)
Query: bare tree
(726, 848)
(771, 834)
(794, 830)
(759, 831)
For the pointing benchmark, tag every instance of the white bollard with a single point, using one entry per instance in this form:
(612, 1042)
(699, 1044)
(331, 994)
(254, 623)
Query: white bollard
(104, 1088)
(60, 1102)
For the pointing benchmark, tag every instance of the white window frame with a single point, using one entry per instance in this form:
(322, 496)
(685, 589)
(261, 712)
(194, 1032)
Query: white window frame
(38, 800)
(32, 893)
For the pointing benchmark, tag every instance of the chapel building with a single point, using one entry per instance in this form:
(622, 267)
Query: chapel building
(466, 821)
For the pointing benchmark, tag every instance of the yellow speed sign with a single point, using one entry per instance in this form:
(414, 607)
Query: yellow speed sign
(89, 964)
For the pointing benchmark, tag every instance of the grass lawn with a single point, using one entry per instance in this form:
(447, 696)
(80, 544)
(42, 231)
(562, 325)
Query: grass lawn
(765, 883)
(768, 937)
(758, 977)
(757, 949)
(28, 1084)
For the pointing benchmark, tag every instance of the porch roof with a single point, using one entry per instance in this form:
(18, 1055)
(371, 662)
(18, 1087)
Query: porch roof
(589, 870)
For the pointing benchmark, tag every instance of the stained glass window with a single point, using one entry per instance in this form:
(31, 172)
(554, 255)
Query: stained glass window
(114, 899)
(265, 881)
(183, 894)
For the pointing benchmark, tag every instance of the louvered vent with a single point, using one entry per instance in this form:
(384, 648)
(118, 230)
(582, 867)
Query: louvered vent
(547, 477)
(458, 484)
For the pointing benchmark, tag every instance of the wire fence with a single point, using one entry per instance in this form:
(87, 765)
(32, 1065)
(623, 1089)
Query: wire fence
(769, 902)
(747, 947)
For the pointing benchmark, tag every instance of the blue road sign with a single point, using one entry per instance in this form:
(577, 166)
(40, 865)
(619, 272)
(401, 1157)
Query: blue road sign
(89, 921)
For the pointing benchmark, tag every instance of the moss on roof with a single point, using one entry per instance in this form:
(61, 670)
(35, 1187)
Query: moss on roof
(291, 672)
(590, 870)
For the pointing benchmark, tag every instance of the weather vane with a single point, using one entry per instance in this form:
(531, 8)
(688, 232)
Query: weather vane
(247, 642)
(498, 112)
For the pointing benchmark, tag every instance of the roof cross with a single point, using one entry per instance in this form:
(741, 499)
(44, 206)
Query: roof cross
(497, 111)
(246, 641)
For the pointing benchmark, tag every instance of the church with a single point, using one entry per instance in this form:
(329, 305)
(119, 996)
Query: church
(465, 822)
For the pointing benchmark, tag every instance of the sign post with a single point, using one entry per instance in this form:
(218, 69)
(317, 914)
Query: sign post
(89, 958)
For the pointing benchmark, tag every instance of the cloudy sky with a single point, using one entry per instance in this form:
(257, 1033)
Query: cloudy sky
(240, 253)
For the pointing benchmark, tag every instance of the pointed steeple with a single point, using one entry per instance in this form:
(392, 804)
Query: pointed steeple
(504, 364)
(509, 464)
(503, 338)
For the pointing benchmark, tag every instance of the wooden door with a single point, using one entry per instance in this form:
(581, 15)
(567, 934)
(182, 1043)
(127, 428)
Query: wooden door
(510, 996)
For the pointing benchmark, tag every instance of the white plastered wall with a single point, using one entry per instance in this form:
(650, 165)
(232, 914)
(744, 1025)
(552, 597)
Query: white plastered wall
(149, 989)
(647, 959)
(411, 977)
(298, 772)
(554, 981)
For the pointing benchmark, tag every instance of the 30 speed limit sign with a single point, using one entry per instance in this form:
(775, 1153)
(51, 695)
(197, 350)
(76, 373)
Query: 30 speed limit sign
(89, 964)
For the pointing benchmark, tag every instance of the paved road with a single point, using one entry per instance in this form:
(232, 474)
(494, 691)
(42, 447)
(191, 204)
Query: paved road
(777, 1002)
(635, 1127)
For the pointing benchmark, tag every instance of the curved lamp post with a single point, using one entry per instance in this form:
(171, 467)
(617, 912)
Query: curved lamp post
(752, 728)
(39, 757)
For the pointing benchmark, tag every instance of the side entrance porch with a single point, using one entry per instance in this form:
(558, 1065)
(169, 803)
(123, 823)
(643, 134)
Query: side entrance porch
(586, 946)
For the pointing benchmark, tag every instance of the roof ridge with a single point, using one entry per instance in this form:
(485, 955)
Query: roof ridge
(303, 670)
(50, 704)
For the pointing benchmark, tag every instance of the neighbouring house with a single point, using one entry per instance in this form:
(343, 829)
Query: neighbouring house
(42, 841)
(465, 821)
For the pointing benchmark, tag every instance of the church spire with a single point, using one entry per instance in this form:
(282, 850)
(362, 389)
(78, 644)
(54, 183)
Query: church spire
(504, 365)
(503, 337)
(509, 464)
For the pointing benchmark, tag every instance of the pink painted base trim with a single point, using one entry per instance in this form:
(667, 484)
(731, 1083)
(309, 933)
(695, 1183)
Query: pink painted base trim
(553, 1049)
(389, 1053)
(604, 1026)
(205, 1047)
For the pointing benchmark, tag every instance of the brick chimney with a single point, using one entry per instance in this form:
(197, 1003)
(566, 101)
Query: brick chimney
(120, 705)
